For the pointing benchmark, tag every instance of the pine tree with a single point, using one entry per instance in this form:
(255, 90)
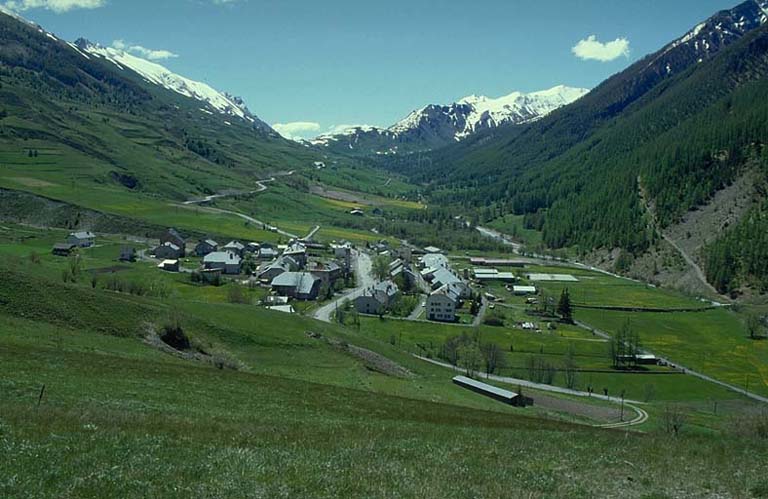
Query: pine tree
(564, 307)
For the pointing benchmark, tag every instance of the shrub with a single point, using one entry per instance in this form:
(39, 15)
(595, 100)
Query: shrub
(174, 336)
(494, 321)
(236, 294)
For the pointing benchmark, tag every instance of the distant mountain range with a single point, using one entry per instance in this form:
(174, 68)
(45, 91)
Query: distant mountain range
(435, 125)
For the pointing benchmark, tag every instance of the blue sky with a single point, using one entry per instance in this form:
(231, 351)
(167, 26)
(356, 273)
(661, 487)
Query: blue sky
(339, 62)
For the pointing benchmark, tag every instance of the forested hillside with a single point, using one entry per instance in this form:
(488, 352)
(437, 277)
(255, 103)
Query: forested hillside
(678, 126)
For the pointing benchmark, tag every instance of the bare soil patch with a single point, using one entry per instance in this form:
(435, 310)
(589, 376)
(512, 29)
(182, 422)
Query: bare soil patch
(338, 195)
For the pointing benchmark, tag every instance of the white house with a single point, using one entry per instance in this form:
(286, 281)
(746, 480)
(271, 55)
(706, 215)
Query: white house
(442, 304)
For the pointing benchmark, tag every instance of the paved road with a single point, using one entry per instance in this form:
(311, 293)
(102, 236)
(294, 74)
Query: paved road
(312, 233)
(245, 217)
(480, 313)
(364, 281)
(686, 370)
(536, 386)
(261, 187)
(545, 259)
(418, 309)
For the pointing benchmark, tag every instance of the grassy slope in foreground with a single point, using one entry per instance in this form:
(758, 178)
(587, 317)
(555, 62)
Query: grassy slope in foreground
(120, 419)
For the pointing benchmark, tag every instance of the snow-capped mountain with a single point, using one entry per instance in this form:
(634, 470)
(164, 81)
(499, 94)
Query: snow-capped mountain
(710, 36)
(213, 100)
(437, 125)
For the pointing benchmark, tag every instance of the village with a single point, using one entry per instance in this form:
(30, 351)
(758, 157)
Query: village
(405, 282)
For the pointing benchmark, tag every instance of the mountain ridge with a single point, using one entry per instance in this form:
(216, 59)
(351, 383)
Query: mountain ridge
(437, 125)
(152, 72)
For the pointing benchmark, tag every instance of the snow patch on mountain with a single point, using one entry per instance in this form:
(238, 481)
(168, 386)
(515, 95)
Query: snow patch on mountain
(458, 120)
(157, 74)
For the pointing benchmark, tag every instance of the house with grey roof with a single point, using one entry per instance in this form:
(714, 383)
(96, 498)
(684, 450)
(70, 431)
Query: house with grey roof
(82, 239)
(377, 299)
(227, 262)
(434, 260)
(206, 246)
(298, 285)
(168, 251)
(327, 272)
(297, 251)
(172, 236)
(63, 249)
(235, 247)
(127, 254)
(280, 265)
(267, 252)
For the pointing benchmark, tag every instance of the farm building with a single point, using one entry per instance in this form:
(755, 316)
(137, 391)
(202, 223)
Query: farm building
(639, 359)
(63, 249)
(172, 236)
(524, 290)
(495, 262)
(357, 212)
(205, 247)
(299, 285)
(275, 300)
(127, 254)
(169, 265)
(552, 278)
(82, 239)
(489, 274)
(432, 249)
(168, 251)
(228, 263)
(377, 299)
(286, 309)
(493, 392)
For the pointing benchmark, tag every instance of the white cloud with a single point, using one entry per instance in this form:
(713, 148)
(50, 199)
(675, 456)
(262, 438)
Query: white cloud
(338, 129)
(57, 6)
(297, 129)
(593, 49)
(151, 54)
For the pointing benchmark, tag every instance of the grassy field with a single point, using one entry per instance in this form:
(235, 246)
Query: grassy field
(513, 226)
(714, 342)
(300, 415)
